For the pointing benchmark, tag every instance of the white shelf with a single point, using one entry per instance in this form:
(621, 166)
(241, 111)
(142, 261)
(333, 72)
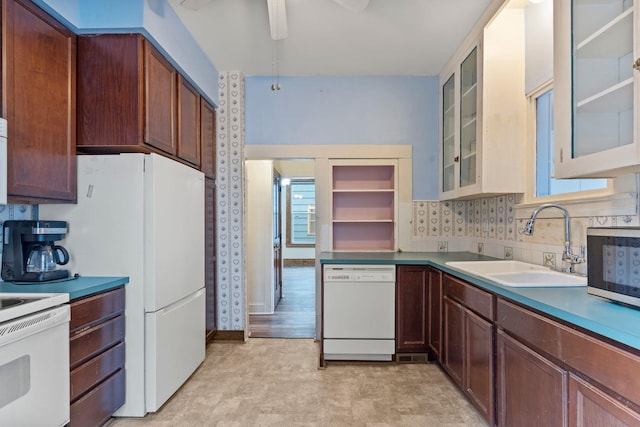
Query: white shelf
(470, 92)
(382, 190)
(616, 98)
(615, 39)
(471, 122)
(361, 221)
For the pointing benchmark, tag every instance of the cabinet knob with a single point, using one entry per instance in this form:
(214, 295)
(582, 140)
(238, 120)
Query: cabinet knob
(636, 65)
(456, 159)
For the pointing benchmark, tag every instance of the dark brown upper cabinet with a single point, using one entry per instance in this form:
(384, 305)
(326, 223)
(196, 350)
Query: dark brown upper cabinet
(39, 103)
(127, 94)
(208, 138)
(188, 122)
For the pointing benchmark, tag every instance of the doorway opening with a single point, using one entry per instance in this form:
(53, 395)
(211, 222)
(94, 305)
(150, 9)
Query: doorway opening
(281, 293)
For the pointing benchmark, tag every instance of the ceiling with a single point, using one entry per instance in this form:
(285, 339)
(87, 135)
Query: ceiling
(389, 37)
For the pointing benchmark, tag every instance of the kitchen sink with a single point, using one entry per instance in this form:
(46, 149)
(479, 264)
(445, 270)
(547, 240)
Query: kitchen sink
(518, 273)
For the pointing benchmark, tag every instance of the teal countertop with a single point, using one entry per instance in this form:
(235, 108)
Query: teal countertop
(570, 304)
(76, 287)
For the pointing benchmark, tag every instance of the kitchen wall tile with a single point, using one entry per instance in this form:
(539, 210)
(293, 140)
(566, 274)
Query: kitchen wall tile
(491, 221)
(460, 218)
(446, 219)
(421, 218)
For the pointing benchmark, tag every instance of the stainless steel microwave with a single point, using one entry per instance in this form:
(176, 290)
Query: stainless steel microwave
(613, 267)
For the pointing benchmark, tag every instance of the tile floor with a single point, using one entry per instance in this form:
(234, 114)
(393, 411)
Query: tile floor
(276, 382)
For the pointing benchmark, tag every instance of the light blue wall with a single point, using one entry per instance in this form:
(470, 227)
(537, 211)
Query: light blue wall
(350, 110)
(156, 19)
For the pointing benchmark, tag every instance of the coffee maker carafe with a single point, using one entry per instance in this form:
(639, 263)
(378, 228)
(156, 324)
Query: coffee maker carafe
(29, 252)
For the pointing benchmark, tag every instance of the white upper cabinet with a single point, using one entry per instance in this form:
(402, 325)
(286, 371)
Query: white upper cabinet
(596, 88)
(483, 112)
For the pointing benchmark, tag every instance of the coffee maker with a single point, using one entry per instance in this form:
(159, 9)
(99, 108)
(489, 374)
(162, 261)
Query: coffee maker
(29, 252)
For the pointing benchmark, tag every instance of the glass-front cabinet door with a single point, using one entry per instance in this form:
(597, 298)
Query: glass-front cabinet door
(448, 134)
(460, 126)
(596, 88)
(468, 118)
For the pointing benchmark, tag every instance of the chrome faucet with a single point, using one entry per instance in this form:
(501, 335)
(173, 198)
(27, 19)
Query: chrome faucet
(567, 254)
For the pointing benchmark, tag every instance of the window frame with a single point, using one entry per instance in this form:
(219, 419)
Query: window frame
(618, 198)
(289, 242)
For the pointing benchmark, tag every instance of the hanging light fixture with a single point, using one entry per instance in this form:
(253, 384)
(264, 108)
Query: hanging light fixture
(279, 30)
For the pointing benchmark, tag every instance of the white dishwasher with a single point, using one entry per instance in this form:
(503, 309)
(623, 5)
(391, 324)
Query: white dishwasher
(359, 312)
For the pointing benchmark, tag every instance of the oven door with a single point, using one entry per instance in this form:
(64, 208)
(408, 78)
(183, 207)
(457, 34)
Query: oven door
(613, 268)
(34, 369)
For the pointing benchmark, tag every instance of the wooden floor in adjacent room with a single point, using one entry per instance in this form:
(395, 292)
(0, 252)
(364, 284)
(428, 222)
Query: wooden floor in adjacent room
(295, 315)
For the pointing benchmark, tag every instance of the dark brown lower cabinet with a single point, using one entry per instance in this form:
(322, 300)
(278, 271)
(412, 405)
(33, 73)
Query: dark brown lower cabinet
(96, 357)
(550, 373)
(453, 354)
(531, 390)
(590, 406)
(468, 346)
(412, 299)
(435, 313)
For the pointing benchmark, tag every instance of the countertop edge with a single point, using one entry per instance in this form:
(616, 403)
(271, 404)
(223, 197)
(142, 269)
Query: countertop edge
(604, 317)
(76, 288)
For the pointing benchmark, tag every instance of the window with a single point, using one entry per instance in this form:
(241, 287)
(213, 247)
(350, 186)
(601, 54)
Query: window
(545, 184)
(301, 213)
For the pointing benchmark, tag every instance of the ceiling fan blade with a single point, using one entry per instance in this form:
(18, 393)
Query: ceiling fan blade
(277, 19)
(353, 5)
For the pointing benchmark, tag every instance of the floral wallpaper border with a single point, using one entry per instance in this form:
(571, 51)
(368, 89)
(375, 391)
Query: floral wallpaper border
(230, 291)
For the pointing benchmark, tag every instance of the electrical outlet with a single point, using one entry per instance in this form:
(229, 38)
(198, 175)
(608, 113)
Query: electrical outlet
(443, 246)
(480, 247)
(549, 259)
(508, 252)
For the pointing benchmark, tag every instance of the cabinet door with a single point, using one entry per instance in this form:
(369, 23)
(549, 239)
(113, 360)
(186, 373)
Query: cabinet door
(188, 122)
(160, 101)
(39, 103)
(449, 157)
(468, 119)
(412, 296)
(210, 255)
(595, 88)
(590, 406)
(478, 360)
(531, 391)
(453, 346)
(110, 116)
(435, 312)
(208, 139)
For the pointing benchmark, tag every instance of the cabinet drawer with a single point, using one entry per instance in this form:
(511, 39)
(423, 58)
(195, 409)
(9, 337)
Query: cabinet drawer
(88, 343)
(471, 297)
(600, 361)
(96, 407)
(95, 370)
(93, 309)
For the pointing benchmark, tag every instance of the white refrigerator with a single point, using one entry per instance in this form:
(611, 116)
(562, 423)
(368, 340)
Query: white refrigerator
(142, 216)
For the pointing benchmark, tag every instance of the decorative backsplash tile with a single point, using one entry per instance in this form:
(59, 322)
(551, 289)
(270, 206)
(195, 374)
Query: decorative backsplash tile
(492, 229)
(489, 218)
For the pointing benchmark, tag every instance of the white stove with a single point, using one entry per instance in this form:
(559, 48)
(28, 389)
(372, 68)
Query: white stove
(34, 359)
(14, 305)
